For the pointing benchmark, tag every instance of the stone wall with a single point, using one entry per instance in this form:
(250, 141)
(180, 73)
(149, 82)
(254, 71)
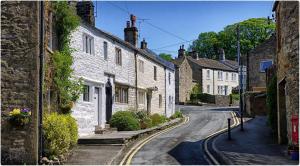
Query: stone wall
(265, 51)
(255, 103)
(19, 79)
(222, 100)
(287, 24)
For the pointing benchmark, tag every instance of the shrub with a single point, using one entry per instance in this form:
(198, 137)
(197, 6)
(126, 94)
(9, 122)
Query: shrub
(203, 97)
(272, 103)
(157, 119)
(144, 120)
(125, 121)
(177, 114)
(73, 129)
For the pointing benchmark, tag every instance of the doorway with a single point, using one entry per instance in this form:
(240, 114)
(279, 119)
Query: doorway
(108, 92)
(97, 99)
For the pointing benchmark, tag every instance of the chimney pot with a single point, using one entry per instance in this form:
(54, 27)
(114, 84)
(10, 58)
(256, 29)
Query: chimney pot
(181, 51)
(133, 19)
(143, 44)
(128, 24)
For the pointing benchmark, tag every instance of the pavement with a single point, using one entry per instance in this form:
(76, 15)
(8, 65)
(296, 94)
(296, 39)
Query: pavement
(183, 145)
(254, 145)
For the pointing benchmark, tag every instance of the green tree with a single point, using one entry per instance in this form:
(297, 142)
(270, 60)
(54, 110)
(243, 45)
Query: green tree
(167, 57)
(253, 32)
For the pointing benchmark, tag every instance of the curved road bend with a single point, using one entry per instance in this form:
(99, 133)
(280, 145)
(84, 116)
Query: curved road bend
(183, 145)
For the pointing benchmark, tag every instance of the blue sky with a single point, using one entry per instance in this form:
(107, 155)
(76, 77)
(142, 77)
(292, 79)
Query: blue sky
(184, 20)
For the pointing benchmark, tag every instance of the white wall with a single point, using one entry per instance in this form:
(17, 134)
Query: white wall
(170, 92)
(214, 81)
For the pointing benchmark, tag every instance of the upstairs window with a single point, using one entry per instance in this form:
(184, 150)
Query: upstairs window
(105, 50)
(118, 56)
(226, 77)
(160, 101)
(233, 77)
(86, 93)
(88, 44)
(208, 74)
(264, 65)
(220, 75)
(141, 66)
(155, 72)
(169, 78)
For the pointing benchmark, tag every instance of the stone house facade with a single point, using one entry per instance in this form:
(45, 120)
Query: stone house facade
(214, 77)
(117, 76)
(287, 57)
(258, 60)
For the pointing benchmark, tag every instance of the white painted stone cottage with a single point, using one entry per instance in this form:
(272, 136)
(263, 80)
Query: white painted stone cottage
(118, 76)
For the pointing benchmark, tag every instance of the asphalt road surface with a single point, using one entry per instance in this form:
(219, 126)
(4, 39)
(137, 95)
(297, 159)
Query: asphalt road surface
(183, 145)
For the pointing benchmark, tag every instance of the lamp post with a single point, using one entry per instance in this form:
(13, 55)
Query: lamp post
(240, 71)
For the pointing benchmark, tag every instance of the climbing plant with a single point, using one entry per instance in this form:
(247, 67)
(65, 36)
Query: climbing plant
(272, 103)
(68, 87)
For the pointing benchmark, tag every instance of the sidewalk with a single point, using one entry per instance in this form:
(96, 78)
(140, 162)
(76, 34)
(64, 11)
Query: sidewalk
(253, 146)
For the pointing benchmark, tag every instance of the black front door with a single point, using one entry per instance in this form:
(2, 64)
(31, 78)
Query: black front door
(108, 92)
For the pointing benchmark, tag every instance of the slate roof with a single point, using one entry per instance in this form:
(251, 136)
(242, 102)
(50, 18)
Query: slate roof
(147, 53)
(230, 63)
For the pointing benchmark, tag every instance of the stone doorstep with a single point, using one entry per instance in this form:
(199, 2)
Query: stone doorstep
(123, 137)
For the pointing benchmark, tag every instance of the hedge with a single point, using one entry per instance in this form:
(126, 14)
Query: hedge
(203, 97)
(125, 121)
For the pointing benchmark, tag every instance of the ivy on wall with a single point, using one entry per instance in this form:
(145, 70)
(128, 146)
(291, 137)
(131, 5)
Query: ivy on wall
(272, 103)
(67, 87)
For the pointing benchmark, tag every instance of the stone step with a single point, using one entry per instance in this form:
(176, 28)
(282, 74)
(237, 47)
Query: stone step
(102, 141)
(106, 131)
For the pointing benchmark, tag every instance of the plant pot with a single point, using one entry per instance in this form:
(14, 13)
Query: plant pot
(294, 154)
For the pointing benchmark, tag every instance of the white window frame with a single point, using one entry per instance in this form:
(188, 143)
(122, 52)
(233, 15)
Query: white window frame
(169, 78)
(86, 93)
(208, 74)
(121, 94)
(105, 50)
(226, 76)
(220, 75)
(88, 44)
(141, 66)
(208, 89)
(141, 97)
(118, 53)
(155, 72)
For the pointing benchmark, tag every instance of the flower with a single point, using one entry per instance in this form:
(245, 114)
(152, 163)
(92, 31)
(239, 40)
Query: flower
(15, 112)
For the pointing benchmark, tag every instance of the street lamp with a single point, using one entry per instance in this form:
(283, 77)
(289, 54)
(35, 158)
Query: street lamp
(240, 71)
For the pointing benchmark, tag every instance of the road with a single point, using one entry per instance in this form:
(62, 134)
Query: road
(183, 145)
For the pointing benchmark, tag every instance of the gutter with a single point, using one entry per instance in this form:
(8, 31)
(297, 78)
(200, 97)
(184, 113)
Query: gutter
(41, 80)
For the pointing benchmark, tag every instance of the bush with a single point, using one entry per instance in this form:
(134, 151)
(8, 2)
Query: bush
(203, 97)
(144, 120)
(177, 114)
(272, 103)
(157, 119)
(125, 121)
(60, 133)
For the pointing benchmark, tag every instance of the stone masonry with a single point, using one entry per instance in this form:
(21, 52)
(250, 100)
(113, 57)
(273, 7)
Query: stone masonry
(287, 25)
(19, 79)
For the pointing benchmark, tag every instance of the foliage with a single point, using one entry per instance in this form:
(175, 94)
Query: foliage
(177, 114)
(203, 97)
(125, 121)
(235, 97)
(19, 117)
(144, 120)
(253, 32)
(167, 57)
(157, 119)
(272, 103)
(60, 133)
(69, 88)
(196, 89)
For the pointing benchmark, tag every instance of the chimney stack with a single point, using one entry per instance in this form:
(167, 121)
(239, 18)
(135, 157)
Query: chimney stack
(143, 44)
(131, 32)
(222, 55)
(181, 51)
(85, 10)
(194, 54)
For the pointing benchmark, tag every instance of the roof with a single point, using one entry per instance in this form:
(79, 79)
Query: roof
(177, 61)
(210, 63)
(230, 63)
(147, 53)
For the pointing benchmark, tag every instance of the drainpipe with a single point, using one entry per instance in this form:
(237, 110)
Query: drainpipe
(213, 81)
(136, 81)
(166, 91)
(41, 78)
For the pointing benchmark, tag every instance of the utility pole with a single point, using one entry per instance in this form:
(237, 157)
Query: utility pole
(240, 71)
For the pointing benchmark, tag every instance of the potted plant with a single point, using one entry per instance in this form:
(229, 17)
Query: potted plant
(19, 117)
(293, 150)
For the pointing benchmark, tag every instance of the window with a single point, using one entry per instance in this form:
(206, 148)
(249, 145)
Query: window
(118, 56)
(208, 74)
(208, 88)
(220, 90)
(155, 73)
(226, 77)
(121, 94)
(88, 44)
(86, 93)
(233, 76)
(264, 65)
(160, 101)
(105, 50)
(50, 30)
(169, 78)
(141, 95)
(220, 75)
(141, 66)
(170, 102)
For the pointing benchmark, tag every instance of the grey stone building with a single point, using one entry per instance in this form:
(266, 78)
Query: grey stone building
(287, 62)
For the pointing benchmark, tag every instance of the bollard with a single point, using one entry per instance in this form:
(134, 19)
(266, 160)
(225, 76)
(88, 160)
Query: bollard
(229, 134)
